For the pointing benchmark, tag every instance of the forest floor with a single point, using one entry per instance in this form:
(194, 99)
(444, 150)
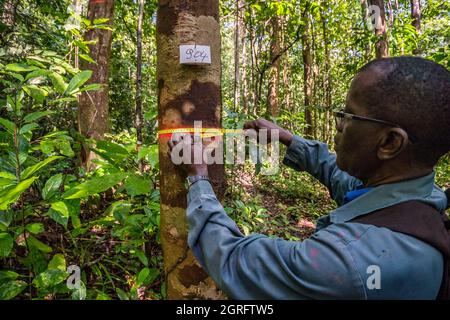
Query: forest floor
(285, 205)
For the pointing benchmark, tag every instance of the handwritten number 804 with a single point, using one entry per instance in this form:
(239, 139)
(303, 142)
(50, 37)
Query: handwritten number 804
(196, 55)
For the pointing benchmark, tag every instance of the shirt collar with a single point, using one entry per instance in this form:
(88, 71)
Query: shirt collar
(352, 195)
(422, 189)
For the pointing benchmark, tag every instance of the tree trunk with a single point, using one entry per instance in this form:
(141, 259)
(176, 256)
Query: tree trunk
(185, 94)
(244, 78)
(416, 13)
(327, 76)
(382, 44)
(237, 45)
(274, 72)
(365, 9)
(93, 113)
(139, 119)
(307, 69)
(9, 12)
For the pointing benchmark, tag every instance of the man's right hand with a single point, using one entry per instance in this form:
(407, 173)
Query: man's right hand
(285, 136)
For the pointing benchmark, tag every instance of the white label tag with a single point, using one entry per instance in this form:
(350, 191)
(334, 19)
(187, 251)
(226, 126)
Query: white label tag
(195, 54)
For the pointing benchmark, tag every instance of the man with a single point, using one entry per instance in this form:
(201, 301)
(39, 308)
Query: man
(394, 128)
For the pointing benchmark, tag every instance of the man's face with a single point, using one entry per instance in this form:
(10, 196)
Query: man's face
(355, 140)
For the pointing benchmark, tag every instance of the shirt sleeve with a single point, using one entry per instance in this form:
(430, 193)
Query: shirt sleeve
(315, 158)
(259, 267)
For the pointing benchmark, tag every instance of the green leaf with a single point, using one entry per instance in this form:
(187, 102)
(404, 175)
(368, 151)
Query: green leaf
(11, 194)
(50, 278)
(122, 294)
(58, 262)
(6, 244)
(58, 82)
(142, 257)
(36, 93)
(33, 169)
(37, 73)
(93, 186)
(87, 58)
(59, 212)
(28, 127)
(92, 87)
(35, 243)
(65, 148)
(101, 20)
(11, 289)
(78, 81)
(20, 67)
(47, 146)
(35, 228)
(51, 186)
(79, 294)
(8, 125)
(17, 76)
(36, 116)
(7, 175)
(7, 275)
(143, 274)
(102, 296)
(136, 185)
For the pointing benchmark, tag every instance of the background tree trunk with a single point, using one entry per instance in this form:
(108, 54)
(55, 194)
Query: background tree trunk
(382, 44)
(237, 48)
(327, 74)
(307, 72)
(244, 78)
(416, 13)
(93, 113)
(274, 72)
(185, 94)
(138, 114)
(365, 9)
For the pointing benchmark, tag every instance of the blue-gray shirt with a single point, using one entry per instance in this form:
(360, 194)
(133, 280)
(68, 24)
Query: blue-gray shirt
(341, 260)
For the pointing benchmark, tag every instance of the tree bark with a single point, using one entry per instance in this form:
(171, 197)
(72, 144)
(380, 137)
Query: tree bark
(416, 13)
(185, 94)
(307, 69)
(382, 44)
(139, 119)
(244, 78)
(93, 111)
(274, 72)
(365, 9)
(327, 76)
(237, 48)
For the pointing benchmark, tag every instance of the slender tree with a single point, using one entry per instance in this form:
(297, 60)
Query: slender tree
(382, 44)
(93, 111)
(237, 47)
(186, 94)
(274, 75)
(138, 113)
(307, 71)
(416, 14)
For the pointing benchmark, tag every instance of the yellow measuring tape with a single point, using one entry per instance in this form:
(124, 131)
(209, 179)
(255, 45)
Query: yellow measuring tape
(204, 132)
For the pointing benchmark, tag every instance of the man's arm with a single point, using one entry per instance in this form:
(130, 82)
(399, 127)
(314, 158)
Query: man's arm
(312, 157)
(258, 267)
(315, 158)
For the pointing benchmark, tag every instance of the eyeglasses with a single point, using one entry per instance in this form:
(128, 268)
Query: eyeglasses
(339, 117)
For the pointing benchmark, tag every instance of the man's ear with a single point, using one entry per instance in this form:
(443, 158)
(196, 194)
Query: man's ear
(392, 142)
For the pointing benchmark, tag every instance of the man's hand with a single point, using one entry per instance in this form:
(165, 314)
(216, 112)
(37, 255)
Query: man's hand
(191, 169)
(285, 136)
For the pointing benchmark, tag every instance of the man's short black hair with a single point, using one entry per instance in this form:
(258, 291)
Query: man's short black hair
(414, 93)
